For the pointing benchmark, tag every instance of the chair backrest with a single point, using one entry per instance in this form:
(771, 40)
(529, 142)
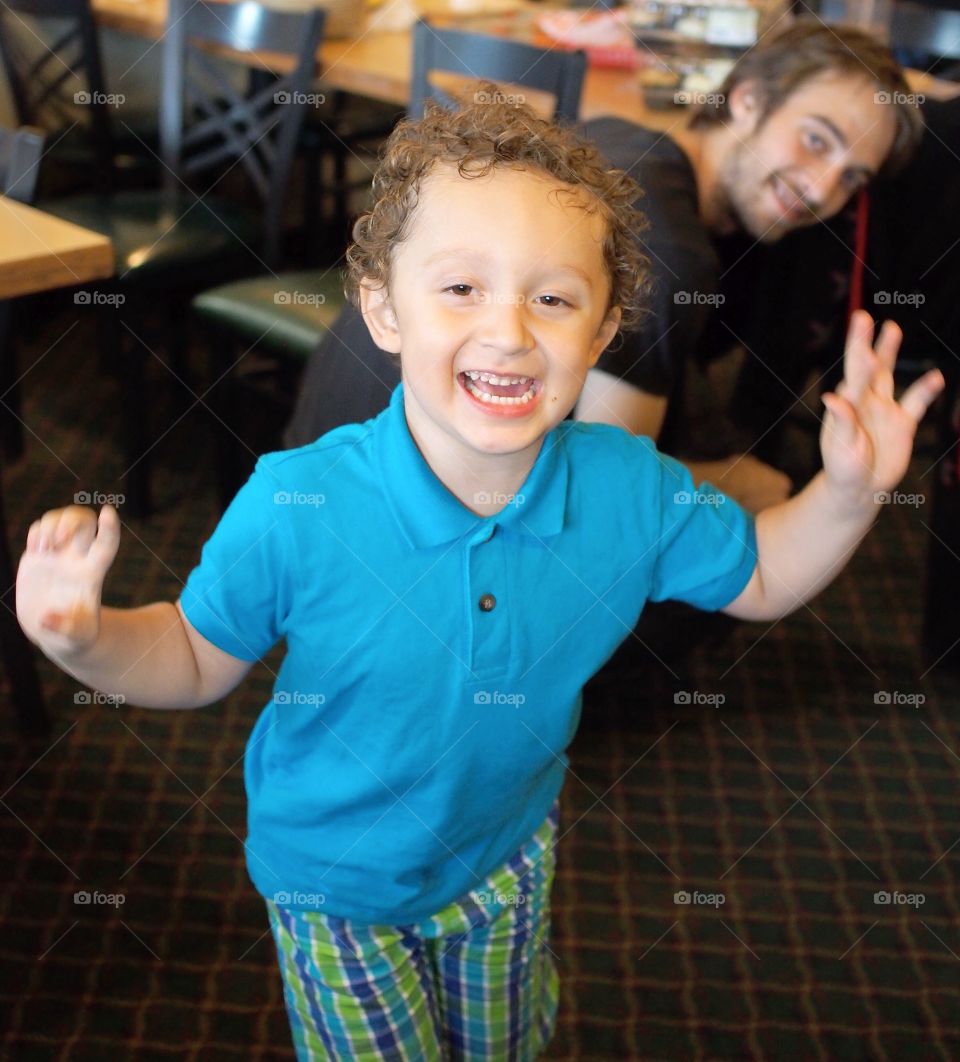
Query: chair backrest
(20, 153)
(478, 55)
(51, 54)
(206, 123)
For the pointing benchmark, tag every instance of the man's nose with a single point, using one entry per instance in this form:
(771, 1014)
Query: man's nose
(504, 324)
(827, 193)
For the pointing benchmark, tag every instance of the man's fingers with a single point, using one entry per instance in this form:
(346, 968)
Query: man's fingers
(919, 396)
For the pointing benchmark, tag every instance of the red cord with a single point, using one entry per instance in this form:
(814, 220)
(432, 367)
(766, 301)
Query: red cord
(859, 253)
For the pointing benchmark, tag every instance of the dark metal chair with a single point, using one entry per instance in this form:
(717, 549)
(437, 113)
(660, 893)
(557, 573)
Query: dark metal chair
(51, 55)
(487, 58)
(20, 152)
(284, 318)
(178, 239)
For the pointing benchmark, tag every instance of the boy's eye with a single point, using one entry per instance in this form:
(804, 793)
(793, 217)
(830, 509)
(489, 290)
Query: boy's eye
(816, 142)
(460, 289)
(552, 300)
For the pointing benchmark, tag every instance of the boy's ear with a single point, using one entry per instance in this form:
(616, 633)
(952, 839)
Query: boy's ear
(380, 318)
(605, 333)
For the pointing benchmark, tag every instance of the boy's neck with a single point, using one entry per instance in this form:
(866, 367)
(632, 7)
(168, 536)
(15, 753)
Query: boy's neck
(484, 483)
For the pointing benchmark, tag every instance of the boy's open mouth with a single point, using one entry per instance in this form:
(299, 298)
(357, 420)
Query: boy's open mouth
(491, 389)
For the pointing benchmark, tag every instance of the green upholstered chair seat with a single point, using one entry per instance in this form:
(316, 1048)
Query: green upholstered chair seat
(154, 244)
(286, 315)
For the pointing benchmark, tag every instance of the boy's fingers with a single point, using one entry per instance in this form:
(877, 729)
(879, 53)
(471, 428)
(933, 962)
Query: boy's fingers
(921, 393)
(859, 362)
(843, 422)
(76, 529)
(888, 344)
(107, 540)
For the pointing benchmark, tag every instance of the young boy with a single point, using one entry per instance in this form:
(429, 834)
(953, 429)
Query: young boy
(446, 577)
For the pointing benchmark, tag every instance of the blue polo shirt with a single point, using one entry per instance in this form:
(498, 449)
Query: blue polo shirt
(418, 728)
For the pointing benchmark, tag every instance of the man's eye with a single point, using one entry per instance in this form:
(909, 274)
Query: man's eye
(460, 289)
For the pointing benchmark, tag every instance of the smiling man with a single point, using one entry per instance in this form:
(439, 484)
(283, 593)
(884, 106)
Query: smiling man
(802, 122)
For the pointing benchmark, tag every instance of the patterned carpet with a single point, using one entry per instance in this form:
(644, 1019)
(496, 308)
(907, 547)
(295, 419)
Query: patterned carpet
(782, 810)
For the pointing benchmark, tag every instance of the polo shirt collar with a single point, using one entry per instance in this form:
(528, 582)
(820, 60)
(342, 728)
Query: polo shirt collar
(430, 515)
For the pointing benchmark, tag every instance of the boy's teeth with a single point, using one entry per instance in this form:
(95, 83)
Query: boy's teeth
(489, 377)
(505, 381)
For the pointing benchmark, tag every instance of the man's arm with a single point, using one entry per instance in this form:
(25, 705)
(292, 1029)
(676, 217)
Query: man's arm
(866, 441)
(151, 656)
(609, 400)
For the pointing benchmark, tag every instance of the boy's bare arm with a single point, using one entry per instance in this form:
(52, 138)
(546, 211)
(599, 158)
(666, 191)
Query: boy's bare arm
(606, 399)
(866, 442)
(151, 656)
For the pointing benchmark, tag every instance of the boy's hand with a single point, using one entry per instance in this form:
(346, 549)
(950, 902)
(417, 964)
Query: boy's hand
(867, 436)
(60, 578)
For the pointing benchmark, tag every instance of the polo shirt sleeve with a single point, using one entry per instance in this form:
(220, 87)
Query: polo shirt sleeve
(707, 545)
(238, 596)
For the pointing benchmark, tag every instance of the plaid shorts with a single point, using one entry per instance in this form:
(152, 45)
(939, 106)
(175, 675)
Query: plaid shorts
(474, 981)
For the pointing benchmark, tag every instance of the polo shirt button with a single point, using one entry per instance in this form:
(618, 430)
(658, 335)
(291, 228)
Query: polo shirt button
(488, 603)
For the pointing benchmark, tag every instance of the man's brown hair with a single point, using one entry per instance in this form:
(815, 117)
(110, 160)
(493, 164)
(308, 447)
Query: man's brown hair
(477, 138)
(779, 64)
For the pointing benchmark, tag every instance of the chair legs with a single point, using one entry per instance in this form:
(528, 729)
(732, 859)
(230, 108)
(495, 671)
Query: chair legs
(128, 359)
(18, 653)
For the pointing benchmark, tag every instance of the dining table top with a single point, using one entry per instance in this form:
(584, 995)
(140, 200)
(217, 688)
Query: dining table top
(377, 62)
(39, 252)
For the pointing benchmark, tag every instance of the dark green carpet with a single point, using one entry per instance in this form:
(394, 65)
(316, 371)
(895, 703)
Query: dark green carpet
(797, 799)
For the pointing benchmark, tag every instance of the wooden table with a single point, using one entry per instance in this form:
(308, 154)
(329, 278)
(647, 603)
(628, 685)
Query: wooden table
(39, 252)
(377, 64)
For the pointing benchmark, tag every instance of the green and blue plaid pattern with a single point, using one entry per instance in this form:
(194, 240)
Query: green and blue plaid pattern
(474, 981)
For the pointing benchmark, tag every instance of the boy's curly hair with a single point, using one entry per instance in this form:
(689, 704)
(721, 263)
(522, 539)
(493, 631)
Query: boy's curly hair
(476, 138)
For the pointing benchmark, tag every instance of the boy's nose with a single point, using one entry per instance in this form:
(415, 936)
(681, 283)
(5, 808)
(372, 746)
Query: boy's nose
(504, 324)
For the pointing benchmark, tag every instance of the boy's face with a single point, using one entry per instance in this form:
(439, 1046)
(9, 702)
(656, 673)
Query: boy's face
(497, 304)
(805, 160)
